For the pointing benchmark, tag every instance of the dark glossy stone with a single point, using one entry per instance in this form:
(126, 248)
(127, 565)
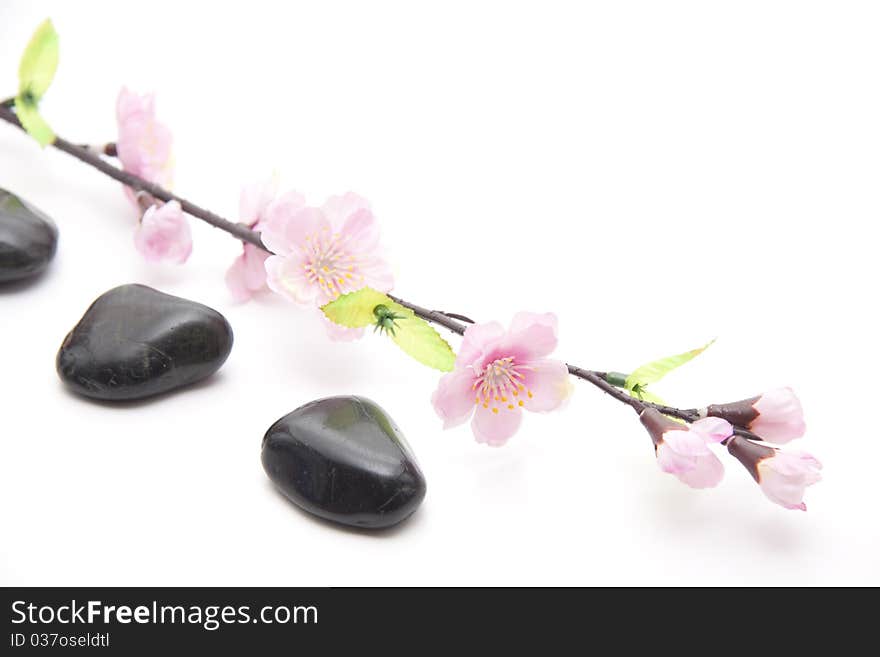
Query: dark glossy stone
(135, 342)
(344, 459)
(28, 239)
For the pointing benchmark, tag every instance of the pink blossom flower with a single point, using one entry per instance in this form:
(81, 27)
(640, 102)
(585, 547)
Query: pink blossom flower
(499, 373)
(780, 416)
(143, 144)
(321, 253)
(247, 274)
(776, 415)
(782, 475)
(684, 451)
(785, 476)
(164, 234)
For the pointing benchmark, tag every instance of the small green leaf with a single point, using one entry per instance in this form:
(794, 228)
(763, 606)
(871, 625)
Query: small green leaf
(34, 124)
(38, 63)
(355, 309)
(656, 370)
(420, 340)
(414, 335)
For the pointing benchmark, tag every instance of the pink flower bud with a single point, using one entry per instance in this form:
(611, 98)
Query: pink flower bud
(776, 415)
(684, 451)
(783, 476)
(164, 234)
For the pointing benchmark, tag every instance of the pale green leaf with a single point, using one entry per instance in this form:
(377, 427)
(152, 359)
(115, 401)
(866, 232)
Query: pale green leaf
(32, 122)
(412, 334)
(39, 62)
(420, 340)
(355, 309)
(656, 370)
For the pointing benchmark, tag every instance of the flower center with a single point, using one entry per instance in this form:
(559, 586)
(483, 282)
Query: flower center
(330, 265)
(500, 384)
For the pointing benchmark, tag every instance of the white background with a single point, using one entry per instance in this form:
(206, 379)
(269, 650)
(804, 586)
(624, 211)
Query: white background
(657, 174)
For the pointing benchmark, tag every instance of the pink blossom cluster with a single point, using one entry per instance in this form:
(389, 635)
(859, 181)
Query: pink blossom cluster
(143, 147)
(776, 416)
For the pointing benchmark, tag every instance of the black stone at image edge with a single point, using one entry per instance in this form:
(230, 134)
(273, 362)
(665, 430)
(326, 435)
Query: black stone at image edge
(136, 342)
(345, 460)
(28, 239)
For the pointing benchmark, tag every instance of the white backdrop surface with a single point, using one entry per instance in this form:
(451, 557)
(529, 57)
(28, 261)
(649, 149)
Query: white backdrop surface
(658, 174)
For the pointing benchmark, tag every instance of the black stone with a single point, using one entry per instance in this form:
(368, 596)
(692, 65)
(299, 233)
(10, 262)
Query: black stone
(28, 239)
(344, 459)
(135, 342)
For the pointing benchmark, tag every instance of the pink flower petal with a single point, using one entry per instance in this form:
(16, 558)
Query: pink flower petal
(164, 234)
(549, 384)
(255, 266)
(454, 398)
(686, 443)
(477, 339)
(285, 276)
(780, 416)
(143, 145)
(340, 209)
(130, 104)
(247, 275)
(533, 335)
(493, 428)
(287, 222)
(235, 281)
(672, 462)
(376, 271)
(255, 200)
(712, 429)
(708, 471)
(361, 230)
(785, 476)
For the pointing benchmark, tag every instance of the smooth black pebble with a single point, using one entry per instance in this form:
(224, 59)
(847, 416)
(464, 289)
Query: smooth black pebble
(135, 342)
(344, 459)
(28, 239)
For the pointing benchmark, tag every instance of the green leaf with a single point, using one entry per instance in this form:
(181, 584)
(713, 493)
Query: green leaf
(38, 63)
(412, 334)
(420, 340)
(32, 122)
(656, 370)
(355, 309)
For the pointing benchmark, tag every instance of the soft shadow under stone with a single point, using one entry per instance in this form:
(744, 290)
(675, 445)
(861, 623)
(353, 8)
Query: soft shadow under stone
(28, 239)
(344, 459)
(136, 342)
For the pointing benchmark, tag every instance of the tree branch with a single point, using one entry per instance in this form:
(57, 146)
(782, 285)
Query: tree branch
(449, 321)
